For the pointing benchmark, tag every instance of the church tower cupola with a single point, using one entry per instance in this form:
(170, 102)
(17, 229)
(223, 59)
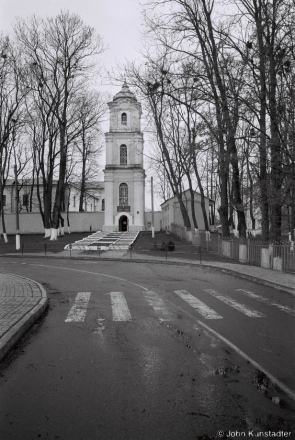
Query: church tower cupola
(125, 111)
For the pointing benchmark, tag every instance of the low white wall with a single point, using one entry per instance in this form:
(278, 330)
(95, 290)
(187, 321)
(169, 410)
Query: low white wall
(191, 235)
(86, 221)
(196, 237)
(31, 222)
(243, 252)
(277, 263)
(265, 258)
(157, 220)
(226, 249)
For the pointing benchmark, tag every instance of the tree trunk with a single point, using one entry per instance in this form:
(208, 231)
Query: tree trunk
(223, 178)
(178, 194)
(263, 180)
(2, 212)
(59, 195)
(203, 203)
(195, 223)
(83, 174)
(68, 211)
(237, 199)
(276, 171)
(47, 213)
(250, 193)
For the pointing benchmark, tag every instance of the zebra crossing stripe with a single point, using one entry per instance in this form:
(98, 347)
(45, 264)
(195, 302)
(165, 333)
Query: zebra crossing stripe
(158, 305)
(231, 302)
(119, 307)
(268, 301)
(78, 311)
(202, 308)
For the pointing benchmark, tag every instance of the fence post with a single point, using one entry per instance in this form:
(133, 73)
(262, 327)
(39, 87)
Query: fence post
(271, 256)
(23, 249)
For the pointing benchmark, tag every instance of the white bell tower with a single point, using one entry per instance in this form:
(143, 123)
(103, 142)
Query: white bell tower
(124, 176)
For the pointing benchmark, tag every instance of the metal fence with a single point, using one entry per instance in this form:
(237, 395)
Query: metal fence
(268, 255)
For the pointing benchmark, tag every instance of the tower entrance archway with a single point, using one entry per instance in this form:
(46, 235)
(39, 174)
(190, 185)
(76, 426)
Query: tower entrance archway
(123, 223)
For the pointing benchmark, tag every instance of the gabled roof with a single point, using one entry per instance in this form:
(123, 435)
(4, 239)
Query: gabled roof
(92, 185)
(184, 192)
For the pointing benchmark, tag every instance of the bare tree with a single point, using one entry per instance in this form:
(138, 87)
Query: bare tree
(42, 131)
(266, 51)
(61, 51)
(12, 95)
(89, 110)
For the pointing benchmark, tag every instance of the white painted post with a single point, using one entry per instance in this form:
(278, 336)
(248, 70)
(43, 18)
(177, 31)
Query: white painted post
(17, 236)
(153, 220)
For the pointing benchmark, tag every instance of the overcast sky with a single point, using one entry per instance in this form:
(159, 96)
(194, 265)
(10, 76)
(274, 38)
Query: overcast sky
(117, 21)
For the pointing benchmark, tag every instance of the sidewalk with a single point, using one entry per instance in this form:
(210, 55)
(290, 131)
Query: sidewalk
(267, 277)
(22, 301)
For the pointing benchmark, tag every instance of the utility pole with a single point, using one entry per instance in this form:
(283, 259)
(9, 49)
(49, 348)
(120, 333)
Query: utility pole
(153, 219)
(17, 236)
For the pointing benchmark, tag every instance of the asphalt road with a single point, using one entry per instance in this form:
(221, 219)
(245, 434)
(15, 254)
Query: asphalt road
(149, 351)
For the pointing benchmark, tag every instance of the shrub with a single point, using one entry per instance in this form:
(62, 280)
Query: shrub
(159, 246)
(170, 246)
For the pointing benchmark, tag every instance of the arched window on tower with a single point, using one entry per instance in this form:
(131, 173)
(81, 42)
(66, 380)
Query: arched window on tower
(123, 194)
(124, 119)
(123, 154)
(102, 205)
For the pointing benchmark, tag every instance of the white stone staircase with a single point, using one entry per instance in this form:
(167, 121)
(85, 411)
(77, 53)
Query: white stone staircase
(124, 241)
(85, 244)
(106, 241)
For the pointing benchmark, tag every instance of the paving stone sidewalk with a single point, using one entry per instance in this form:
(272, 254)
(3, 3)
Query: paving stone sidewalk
(22, 301)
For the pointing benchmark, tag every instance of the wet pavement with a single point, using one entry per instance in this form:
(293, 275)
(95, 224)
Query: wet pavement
(144, 378)
(22, 302)
(21, 305)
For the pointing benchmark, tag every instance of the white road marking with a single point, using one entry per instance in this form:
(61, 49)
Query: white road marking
(92, 273)
(267, 301)
(158, 305)
(78, 311)
(280, 384)
(231, 302)
(202, 308)
(101, 327)
(255, 364)
(119, 307)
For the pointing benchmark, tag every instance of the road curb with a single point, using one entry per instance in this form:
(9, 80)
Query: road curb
(25, 323)
(134, 260)
(258, 280)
